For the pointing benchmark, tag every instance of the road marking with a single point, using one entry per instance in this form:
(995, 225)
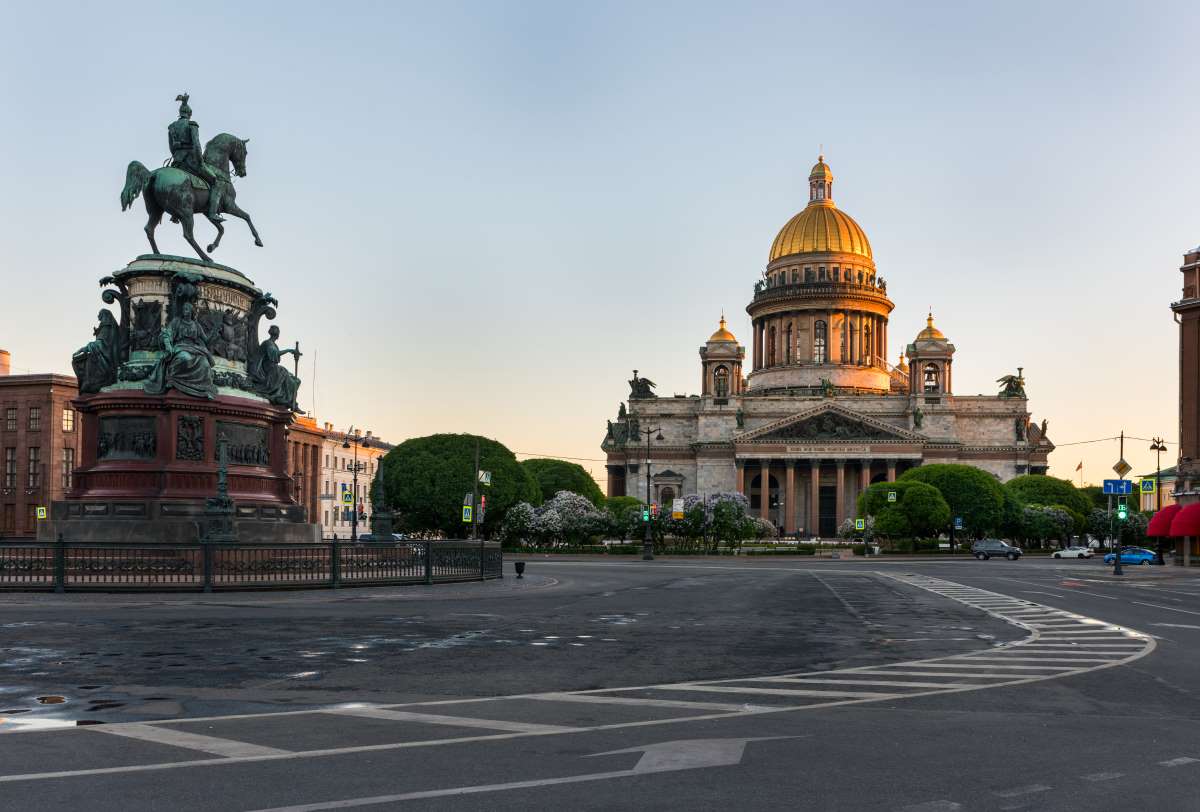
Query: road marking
(1168, 608)
(1041, 659)
(896, 683)
(453, 721)
(190, 741)
(748, 689)
(932, 806)
(990, 666)
(688, 754)
(650, 703)
(1019, 791)
(1176, 625)
(1178, 762)
(1102, 776)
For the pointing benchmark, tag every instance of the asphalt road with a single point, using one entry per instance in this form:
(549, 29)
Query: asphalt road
(600, 684)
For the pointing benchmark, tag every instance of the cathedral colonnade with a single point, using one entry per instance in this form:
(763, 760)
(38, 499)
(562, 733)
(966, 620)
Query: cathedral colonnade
(812, 496)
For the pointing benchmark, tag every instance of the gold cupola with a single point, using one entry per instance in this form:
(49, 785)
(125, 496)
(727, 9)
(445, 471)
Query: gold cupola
(722, 334)
(821, 228)
(930, 333)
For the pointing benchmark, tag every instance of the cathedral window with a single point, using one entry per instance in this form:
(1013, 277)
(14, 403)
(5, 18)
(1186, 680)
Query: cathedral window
(787, 347)
(820, 337)
(931, 378)
(721, 382)
(771, 347)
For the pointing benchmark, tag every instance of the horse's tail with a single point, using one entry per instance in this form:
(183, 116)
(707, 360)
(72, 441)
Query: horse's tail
(136, 179)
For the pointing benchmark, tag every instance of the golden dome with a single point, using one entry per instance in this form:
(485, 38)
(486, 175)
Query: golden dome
(722, 334)
(821, 228)
(820, 170)
(902, 365)
(930, 333)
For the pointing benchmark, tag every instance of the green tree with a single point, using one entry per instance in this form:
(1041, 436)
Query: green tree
(972, 493)
(919, 509)
(624, 516)
(1039, 489)
(426, 478)
(553, 476)
(1096, 494)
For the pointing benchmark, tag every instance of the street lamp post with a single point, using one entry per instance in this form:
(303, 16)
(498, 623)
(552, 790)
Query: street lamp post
(1158, 447)
(353, 436)
(647, 542)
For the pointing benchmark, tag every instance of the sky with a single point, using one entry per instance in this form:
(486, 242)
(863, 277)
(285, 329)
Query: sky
(480, 217)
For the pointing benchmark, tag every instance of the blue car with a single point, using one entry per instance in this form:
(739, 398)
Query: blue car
(1134, 555)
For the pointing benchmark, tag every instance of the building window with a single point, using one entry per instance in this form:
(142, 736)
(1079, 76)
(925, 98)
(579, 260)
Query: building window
(868, 347)
(10, 467)
(68, 467)
(721, 382)
(820, 338)
(787, 344)
(771, 346)
(327, 517)
(68, 420)
(326, 460)
(35, 418)
(9, 525)
(34, 478)
(10, 419)
(931, 378)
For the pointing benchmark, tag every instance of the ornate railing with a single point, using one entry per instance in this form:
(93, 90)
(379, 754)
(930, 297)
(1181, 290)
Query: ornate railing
(79, 566)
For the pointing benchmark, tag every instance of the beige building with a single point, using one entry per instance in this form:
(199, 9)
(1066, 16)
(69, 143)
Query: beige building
(821, 413)
(337, 477)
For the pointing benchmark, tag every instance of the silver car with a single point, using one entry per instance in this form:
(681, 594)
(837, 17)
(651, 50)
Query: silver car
(1074, 552)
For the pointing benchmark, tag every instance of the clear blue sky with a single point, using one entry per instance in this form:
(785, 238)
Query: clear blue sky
(480, 217)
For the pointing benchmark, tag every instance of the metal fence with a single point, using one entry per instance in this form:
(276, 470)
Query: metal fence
(80, 566)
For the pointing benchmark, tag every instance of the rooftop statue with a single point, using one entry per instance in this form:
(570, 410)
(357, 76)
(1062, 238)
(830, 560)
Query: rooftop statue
(194, 182)
(1014, 385)
(641, 387)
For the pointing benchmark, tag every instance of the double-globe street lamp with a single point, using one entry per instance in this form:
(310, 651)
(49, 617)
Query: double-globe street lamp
(354, 437)
(648, 542)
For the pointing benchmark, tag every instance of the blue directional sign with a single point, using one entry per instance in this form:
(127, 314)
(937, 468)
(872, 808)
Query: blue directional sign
(958, 523)
(1118, 487)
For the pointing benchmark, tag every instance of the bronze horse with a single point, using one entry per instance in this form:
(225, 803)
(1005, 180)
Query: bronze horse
(171, 190)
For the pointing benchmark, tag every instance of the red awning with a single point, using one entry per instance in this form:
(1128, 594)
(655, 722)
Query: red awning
(1160, 522)
(1186, 521)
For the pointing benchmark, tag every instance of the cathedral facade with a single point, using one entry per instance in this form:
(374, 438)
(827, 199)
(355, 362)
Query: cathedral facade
(820, 414)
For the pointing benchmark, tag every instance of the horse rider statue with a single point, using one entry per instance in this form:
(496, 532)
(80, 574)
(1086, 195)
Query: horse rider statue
(183, 135)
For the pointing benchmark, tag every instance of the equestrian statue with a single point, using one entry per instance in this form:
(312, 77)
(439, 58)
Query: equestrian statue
(191, 182)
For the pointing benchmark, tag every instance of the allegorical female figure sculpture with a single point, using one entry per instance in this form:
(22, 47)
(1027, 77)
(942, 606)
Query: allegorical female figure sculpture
(186, 364)
(96, 363)
(277, 384)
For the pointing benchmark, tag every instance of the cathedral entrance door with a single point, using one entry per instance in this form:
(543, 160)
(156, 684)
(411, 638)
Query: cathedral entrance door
(828, 512)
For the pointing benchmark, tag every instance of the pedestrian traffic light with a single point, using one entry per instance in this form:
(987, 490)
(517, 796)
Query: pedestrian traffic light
(1122, 508)
(645, 514)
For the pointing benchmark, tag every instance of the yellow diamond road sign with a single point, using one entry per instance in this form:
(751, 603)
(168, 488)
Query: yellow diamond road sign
(1122, 468)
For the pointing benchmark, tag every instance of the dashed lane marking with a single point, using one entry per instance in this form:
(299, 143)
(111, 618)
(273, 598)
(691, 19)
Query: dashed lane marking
(374, 712)
(190, 741)
(1178, 762)
(1102, 776)
(1017, 792)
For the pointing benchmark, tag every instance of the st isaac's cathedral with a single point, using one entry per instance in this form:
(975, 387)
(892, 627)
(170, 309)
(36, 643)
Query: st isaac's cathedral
(821, 413)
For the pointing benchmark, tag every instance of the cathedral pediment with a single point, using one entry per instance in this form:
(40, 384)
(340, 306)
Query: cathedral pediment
(829, 424)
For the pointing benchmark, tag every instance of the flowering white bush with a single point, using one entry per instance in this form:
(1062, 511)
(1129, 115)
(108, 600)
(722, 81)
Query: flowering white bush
(518, 522)
(568, 517)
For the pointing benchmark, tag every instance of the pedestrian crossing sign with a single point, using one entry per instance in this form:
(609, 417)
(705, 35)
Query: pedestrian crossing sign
(891, 496)
(41, 512)
(467, 514)
(1147, 486)
(860, 524)
(347, 497)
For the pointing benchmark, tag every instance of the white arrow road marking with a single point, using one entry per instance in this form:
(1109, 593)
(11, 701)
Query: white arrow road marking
(685, 754)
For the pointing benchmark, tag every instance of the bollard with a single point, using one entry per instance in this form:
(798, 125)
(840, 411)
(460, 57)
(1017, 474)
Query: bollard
(519, 566)
(60, 565)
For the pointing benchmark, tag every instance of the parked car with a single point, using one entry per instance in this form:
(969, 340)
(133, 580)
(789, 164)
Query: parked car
(1134, 555)
(1074, 552)
(986, 548)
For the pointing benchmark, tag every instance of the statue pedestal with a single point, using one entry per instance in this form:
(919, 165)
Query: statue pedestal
(148, 462)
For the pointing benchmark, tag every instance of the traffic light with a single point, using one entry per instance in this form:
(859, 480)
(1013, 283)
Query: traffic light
(1122, 508)
(654, 510)
(645, 514)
